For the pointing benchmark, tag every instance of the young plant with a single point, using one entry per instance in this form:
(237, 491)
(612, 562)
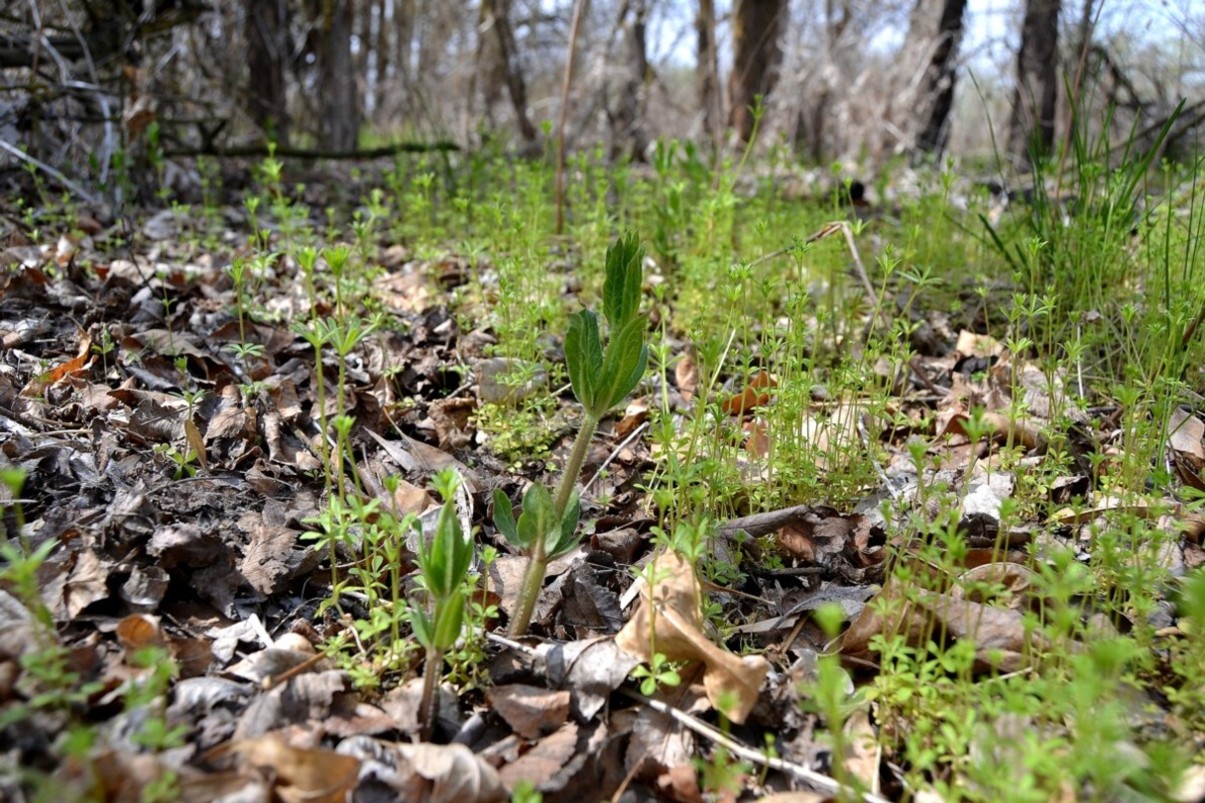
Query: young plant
(601, 379)
(443, 562)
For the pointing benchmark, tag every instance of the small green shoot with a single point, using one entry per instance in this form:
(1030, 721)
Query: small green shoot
(601, 379)
(443, 563)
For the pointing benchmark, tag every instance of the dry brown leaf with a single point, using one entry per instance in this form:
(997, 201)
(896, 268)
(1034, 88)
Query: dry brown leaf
(303, 775)
(530, 711)
(140, 630)
(670, 618)
(862, 750)
(455, 773)
(73, 367)
(680, 783)
(686, 375)
(974, 345)
(540, 764)
(999, 634)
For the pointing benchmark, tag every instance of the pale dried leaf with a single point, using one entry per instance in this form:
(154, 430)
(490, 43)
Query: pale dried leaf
(672, 620)
(455, 773)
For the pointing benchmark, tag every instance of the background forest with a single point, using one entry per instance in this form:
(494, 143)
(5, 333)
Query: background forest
(97, 84)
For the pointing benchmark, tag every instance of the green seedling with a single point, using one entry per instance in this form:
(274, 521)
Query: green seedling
(601, 378)
(443, 562)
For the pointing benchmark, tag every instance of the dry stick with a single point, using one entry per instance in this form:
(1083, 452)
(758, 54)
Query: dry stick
(818, 782)
(824, 231)
(615, 453)
(574, 27)
(50, 171)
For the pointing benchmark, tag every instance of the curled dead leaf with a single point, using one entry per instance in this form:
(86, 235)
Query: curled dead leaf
(670, 619)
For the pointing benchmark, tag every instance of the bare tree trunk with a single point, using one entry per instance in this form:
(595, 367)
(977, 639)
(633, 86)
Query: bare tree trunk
(834, 27)
(937, 89)
(627, 121)
(756, 25)
(499, 14)
(384, 51)
(266, 56)
(707, 72)
(404, 12)
(1031, 125)
(337, 89)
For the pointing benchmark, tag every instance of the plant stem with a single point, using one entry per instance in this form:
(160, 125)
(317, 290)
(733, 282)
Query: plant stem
(573, 468)
(427, 706)
(533, 580)
(537, 565)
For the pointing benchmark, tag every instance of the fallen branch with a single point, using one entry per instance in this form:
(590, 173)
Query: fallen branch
(263, 149)
(50, 171)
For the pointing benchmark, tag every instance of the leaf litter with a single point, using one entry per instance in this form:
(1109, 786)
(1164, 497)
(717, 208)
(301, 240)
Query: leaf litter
(178, 523)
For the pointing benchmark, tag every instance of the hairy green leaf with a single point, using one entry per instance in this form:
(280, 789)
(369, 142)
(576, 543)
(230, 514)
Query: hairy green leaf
(449, 616)
(538, 516)
(621, 288)
(583, 355)
(623, 365)
(564, 537)
(504, 519)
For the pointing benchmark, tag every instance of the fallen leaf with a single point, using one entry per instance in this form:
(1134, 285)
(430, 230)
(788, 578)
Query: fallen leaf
(455, 773)
(302, 775)
(530, 711)
(670, 617)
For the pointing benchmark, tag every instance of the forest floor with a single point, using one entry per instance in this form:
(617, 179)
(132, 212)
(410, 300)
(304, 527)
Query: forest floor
(906, 504)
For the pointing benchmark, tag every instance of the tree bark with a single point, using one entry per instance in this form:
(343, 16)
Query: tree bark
(627, 121)
(268, 49)
(937, 90)
(383, 48)
(707, 72)
(499, 14)
(1031, 125)
(756, 25)
(340, 99)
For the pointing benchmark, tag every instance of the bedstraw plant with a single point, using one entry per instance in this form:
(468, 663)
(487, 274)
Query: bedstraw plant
(443, 562)
(601, 379)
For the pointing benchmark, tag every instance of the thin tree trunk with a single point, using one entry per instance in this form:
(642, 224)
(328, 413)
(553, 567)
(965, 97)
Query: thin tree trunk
(499, 13)
(707, 72)
(937, 91)
(265, 62)
(340, 101)
(1031, 125)
(756, 25)
(384, 51)
(628, 124)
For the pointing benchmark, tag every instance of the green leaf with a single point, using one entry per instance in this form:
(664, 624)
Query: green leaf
(504, 518)
(420, 625)
(449, 616)
(538, 517)
(621, 288)
(623, 365)
(449, 554)
(566, 535)
(583, 355)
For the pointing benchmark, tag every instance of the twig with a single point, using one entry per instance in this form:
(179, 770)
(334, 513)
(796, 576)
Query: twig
(761, 523)
(615, 453)
(818, 782)
(574, 27)
(50, 171)
(305, 153)
(824, 231)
